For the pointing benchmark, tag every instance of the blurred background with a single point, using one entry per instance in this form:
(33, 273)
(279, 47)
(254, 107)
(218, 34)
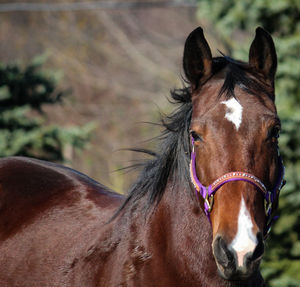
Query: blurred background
(80, 81)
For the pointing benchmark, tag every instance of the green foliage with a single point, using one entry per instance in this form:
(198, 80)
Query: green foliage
(281, 18)
(23, 92)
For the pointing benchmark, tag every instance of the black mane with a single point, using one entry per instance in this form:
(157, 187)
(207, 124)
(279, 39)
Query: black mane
(173, 159)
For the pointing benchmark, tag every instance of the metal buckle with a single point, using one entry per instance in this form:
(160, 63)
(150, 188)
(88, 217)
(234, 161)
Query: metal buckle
(209, 200)
(268, 203)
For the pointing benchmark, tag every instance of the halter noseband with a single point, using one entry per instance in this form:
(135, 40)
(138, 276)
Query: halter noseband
(207, 193)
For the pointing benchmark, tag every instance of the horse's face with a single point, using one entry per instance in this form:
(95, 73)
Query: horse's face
(235, 131)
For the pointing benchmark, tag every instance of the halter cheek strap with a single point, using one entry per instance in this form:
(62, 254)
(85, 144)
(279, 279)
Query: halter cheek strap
(207, 193)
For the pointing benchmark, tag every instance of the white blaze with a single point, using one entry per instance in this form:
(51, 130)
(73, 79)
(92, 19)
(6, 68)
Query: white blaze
(234, 112)
(245, 241)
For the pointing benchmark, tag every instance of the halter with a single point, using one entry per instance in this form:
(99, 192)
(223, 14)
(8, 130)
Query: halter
(208, 193)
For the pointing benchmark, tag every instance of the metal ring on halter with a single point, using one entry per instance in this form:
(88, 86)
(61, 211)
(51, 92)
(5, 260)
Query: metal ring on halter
(268, 203)
(209, 200)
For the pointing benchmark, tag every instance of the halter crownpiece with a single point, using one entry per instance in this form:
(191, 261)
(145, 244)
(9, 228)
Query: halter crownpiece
(208, 192)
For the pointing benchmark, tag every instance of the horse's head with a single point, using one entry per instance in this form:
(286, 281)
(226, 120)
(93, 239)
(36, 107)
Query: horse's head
(234, 130)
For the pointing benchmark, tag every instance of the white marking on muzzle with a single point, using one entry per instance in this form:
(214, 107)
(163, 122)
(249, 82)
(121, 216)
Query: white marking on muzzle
(245, 241)
(234, 112)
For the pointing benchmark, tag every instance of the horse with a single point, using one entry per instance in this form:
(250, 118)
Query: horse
(199, 212)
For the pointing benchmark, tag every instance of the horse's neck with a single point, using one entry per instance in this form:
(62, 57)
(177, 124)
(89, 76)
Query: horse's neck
(180, 226)
(169, 246)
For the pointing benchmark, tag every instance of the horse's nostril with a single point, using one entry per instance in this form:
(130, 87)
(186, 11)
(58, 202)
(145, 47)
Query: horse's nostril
(259, 249)
(223, 255)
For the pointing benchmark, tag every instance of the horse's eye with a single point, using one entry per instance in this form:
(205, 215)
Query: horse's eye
(196, 136)
(274, 133)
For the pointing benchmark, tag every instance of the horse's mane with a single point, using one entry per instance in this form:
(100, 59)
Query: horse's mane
(172, 160)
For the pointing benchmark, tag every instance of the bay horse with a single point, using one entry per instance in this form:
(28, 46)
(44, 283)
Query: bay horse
(199, 212)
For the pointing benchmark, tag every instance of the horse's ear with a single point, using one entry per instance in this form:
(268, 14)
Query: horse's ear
(197, 59)
(262, 54)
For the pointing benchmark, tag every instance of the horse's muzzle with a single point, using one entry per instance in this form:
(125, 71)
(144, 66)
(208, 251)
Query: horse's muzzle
(227, 261)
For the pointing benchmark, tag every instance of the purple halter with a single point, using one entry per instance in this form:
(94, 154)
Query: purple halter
(207, 193)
